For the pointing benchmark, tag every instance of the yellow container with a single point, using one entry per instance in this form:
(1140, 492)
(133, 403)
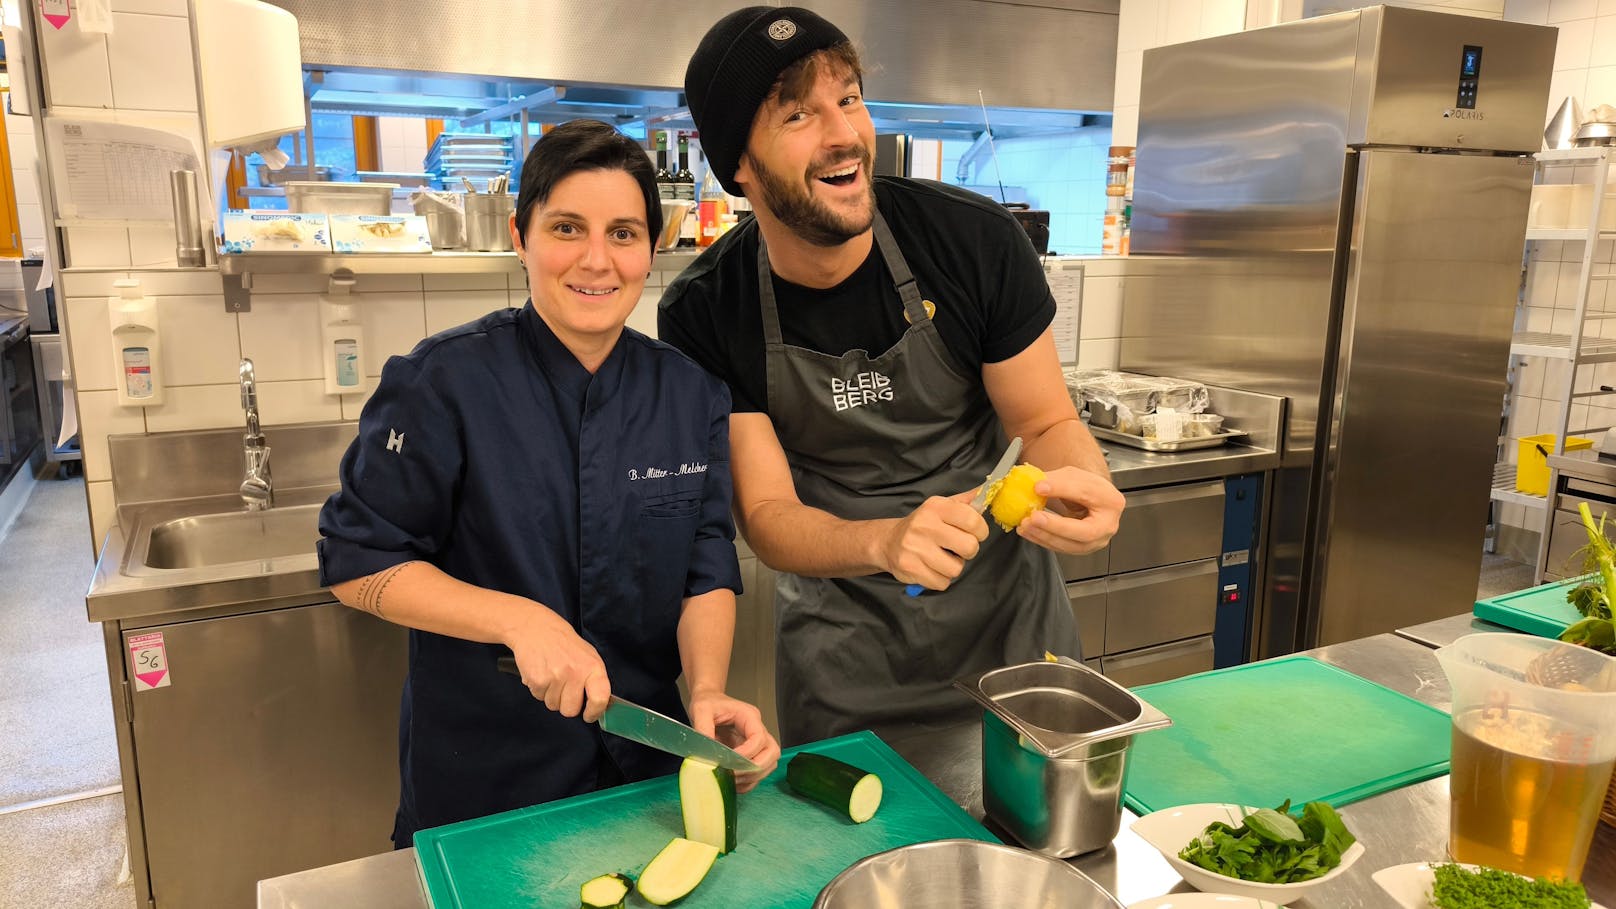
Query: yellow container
(1532, 467)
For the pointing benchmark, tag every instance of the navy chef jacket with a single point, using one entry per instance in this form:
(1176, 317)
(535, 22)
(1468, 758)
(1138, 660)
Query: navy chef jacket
(491, 453)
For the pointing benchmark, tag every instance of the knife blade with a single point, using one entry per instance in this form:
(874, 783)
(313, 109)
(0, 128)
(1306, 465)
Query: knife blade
(1000, 471)
(654, 730)
(980, 503)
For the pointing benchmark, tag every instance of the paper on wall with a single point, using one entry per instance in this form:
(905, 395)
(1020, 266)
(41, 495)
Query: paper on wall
(95, 16)
(114, 172)
(1066, 286)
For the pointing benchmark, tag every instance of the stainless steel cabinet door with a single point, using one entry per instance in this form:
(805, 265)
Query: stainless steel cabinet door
(1433, 274)
(1088, 604)
(1158, 664)
(273, 749)
(1168, 525)
(1160, 605)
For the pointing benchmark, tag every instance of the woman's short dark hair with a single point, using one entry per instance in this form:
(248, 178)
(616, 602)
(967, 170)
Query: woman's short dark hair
(579, 145)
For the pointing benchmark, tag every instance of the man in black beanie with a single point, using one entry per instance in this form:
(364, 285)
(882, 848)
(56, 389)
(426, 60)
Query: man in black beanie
(882, 340)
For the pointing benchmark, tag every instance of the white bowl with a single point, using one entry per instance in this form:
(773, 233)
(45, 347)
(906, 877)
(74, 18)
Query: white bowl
(1171, 829)
(1203, 901)
(1410, 885)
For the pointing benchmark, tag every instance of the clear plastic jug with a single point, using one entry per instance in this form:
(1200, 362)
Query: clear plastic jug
(1534, 740)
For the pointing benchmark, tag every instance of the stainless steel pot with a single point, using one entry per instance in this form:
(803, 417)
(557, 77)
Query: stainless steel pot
(1054, 752)
(962, 874)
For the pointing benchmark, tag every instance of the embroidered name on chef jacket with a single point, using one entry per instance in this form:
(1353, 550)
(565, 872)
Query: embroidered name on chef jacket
(657, 473)
(863, 388)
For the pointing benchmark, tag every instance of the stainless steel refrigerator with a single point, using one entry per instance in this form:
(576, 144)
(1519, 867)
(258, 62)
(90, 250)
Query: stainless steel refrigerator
(1334, 210)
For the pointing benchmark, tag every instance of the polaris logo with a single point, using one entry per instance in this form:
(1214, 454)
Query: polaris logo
(1459, 113)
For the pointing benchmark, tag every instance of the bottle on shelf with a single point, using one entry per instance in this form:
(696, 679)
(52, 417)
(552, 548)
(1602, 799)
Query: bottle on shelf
(664, 177)
(714, 206)
(684, 185)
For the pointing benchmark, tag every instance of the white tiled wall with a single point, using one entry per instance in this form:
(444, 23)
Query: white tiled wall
(1152, 23)
(25, 180)
(403, 144)
(1584, 68)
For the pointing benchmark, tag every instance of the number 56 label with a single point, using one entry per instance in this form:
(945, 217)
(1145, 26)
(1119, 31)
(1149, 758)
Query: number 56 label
(148, 661)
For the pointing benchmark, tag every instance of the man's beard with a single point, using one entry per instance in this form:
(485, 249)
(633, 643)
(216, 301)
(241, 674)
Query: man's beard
(807, 216)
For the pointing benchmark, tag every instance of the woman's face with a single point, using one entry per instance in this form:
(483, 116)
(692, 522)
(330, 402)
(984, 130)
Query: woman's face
(588, 253)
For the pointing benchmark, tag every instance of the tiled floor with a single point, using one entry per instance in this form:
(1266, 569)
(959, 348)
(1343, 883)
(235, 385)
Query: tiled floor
(56, 713)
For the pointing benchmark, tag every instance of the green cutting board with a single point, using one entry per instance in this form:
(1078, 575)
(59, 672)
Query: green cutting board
(1291, 728)
(1542, 610)
(788, 849)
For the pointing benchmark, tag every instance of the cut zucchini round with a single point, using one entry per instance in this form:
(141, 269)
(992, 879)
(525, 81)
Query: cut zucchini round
(837, 785)
(609, 891)
(707, 799)
(676, 871)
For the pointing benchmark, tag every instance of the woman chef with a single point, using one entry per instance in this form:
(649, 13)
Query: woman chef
(547, 481)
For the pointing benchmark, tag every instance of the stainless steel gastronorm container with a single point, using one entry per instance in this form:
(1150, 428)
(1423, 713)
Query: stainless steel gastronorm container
(488, 221)
(340, 198)
(1054, 751)
(962, 874)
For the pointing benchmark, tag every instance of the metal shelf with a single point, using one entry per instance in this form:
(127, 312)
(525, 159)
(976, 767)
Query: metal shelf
(1573, 155)
(1504, 489)
(442, 263)
(1558, 347)
(1544, 233)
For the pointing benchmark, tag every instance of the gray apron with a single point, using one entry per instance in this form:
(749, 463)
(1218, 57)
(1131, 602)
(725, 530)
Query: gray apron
(873, 437)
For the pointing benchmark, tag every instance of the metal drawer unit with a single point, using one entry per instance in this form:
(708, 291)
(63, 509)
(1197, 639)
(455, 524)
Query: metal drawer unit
(1566, 534)
(1147, 606)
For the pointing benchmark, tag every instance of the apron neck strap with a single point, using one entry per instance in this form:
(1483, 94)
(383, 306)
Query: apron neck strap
(898, 267)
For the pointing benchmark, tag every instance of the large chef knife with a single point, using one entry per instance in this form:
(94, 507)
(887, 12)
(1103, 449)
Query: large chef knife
(664, 733)
(1000, 471)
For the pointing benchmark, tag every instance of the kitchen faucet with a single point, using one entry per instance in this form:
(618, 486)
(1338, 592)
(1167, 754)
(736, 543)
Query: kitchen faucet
(257, 487)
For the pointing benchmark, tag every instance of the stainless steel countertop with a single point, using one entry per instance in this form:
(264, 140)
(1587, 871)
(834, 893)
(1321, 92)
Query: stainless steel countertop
(1443, 632)
(1404, 825)
(1599, 470)
(1132, 468)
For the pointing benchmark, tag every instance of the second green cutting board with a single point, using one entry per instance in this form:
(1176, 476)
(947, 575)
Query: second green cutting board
(1291, 728)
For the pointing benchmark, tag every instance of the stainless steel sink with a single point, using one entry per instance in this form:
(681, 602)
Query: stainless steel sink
(203, 541)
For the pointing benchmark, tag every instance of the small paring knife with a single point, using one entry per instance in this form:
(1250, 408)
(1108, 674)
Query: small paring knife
(978, 504)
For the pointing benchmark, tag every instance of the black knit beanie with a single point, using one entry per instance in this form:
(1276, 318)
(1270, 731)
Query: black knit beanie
(733, 69)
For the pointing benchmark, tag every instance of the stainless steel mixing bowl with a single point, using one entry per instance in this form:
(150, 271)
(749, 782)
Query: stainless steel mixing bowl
(963, 874)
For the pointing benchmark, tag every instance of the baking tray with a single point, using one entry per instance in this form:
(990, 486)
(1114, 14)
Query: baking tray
(1133, 441)
(1290, 728)
(788, 848)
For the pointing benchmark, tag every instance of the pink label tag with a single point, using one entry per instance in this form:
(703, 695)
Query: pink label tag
(56, 12)
(148, 661)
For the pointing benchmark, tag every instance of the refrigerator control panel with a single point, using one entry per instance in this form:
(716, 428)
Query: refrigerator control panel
(1469, 76)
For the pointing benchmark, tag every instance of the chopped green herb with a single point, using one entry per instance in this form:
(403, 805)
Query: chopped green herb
(1459, 888)
(1592, 597)
(1272, 847)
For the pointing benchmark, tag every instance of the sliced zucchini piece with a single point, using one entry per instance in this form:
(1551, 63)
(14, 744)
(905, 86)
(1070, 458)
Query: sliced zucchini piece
(609, 891)
(707, 798)
(836, 785)
(676, 870)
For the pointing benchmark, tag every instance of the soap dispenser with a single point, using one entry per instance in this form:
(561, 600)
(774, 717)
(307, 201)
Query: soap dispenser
(342, 339)
(133, 317)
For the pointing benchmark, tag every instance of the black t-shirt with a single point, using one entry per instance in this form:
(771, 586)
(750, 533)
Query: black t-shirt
(968, 254)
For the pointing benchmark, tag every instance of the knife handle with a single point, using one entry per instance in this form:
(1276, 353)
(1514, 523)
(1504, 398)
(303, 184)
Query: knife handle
(508, 664)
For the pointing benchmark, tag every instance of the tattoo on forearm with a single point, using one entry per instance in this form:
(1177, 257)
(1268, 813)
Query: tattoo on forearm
(374, 587)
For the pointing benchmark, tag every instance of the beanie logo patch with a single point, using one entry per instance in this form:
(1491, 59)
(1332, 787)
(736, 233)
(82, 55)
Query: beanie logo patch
(781, 30)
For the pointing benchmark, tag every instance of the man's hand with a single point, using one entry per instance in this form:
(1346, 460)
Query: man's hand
(558, 666)
(931, 545)
(740, 726)
(1083, 512)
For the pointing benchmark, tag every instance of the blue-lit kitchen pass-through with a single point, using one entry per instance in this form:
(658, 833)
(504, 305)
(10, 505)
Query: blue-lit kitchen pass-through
(1469, 76)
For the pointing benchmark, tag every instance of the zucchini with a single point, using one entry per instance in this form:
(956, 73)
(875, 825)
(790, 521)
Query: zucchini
(609, 891)
(839, 786)
(676, 870)
(707, 799)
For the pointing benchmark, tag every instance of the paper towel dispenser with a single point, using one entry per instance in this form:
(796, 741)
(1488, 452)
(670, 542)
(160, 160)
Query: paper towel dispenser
(252, 74)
